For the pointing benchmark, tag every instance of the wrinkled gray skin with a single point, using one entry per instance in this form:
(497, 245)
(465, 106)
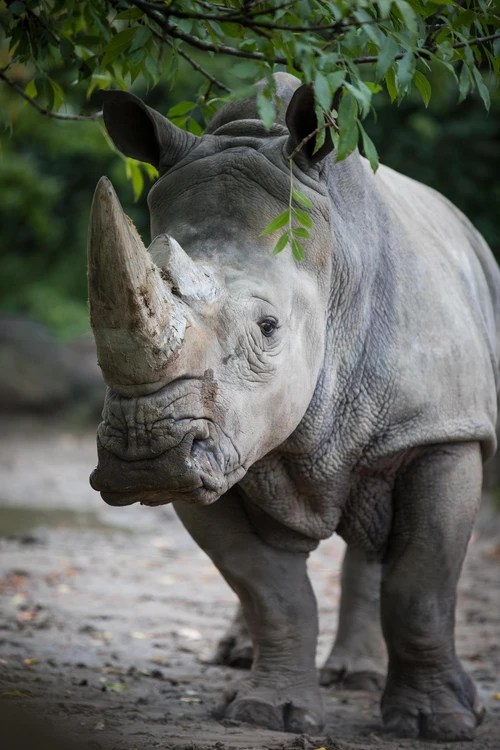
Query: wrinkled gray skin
(368, 409)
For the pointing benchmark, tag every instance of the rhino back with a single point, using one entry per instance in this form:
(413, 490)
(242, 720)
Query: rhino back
(446, 320)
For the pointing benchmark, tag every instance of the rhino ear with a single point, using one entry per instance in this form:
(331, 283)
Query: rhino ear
(142, 133)
(301, 122)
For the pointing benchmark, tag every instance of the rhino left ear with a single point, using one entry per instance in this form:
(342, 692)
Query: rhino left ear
(301, 122)
(142, 133)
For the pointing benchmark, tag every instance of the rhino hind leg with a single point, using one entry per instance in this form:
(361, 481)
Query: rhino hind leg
(281, 692)
(235, 647)
(358, 659)
(428, 694)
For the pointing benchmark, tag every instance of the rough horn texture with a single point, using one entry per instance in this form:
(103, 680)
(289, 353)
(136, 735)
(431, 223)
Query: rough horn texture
(191, 282)
(137, 323)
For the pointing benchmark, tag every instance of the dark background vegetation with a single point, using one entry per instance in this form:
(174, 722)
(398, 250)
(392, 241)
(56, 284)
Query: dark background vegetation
(48, 170)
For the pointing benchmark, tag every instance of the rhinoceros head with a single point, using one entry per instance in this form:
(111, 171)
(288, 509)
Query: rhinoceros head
(210, 346)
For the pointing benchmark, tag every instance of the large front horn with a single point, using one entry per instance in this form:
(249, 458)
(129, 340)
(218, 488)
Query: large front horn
(138, 323)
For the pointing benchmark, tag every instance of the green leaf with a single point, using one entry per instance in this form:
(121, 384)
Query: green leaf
(57, 92)
(140, 38)
(348, 127)
(245, 69)
(276, 223)
(481, 87)
(408, 15)
(362, 94)
(302, 198)
(301, 232)
(266, 109)
(118, 45)
(134, 173)
(322, 91)
(194, 127)
(390, 82)
(281, 244)
(297, 249)
(180, 109)
(369, 149)
(302, 217)
(374, 87)
(465, 82)
(405, 71)
(423, 87)
(129, 15)
(30, 89)
(336, 79)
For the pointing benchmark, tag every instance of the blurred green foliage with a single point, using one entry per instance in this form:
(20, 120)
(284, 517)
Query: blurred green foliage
(48, 170)
(452, 147)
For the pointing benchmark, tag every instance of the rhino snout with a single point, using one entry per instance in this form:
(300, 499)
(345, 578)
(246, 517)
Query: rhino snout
(196, 469)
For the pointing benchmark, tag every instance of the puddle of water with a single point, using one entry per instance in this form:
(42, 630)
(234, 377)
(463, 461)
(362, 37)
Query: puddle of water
(15, 520)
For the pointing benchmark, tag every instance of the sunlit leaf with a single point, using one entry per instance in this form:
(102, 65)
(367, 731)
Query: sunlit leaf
(302, 198)
(280, 244)
(302, 217)
(277, 223)
(297, 249)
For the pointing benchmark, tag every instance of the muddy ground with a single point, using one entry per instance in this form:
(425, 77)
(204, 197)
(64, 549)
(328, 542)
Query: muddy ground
(108, 617)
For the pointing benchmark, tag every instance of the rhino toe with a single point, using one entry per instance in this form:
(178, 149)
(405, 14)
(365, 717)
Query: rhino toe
(282, 707)
(253, 711)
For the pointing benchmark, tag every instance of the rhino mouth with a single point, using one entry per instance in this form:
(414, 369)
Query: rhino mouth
(196, 475)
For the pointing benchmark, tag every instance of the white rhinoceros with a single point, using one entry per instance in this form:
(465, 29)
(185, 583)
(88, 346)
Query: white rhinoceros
(276, 402)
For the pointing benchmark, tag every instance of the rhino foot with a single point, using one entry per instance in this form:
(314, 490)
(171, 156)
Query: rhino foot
(235, 647)
(284, 708)
(231, 653)
(353, 674)
(450, 714)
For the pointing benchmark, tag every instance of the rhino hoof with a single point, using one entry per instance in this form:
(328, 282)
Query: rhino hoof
(366, 680)
(253, 711)
(444, 727)
(284, 718)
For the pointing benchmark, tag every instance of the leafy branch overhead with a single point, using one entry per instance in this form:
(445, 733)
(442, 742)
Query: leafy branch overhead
(350, 51)
(357, 46)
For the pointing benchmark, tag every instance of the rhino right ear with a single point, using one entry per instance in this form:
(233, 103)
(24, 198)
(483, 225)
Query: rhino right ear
(142, 133)
(301, 122)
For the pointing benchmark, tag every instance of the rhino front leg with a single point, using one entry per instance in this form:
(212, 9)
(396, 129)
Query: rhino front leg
(358, 658)
(281, 692)
(428, 693)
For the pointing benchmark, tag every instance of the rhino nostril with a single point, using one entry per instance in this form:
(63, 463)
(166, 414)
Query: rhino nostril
(202, 453)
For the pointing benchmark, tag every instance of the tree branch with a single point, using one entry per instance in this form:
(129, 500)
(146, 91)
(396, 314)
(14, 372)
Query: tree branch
(430, 50)
(215, 81)
(47, 112)
(223, 49)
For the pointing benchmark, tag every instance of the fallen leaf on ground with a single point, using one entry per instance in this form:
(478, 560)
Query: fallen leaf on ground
(15, 694)
(117, 687)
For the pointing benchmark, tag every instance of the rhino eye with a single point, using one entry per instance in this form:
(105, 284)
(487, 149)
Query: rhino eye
(268, 326)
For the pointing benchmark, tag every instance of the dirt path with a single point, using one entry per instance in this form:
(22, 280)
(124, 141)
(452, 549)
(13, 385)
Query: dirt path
(108, 616)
